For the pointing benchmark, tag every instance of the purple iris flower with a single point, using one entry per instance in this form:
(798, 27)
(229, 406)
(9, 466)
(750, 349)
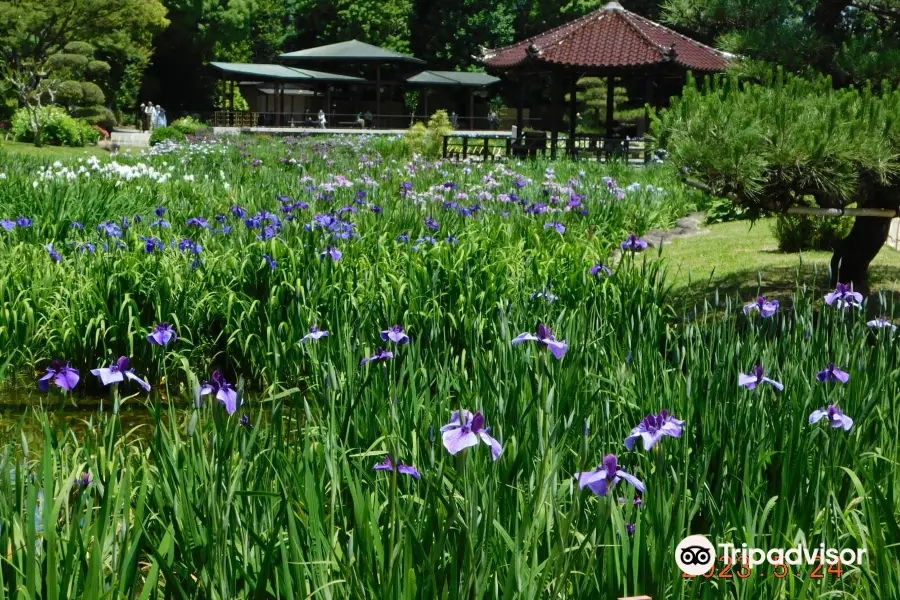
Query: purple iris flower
(431, 224)
(152, 243)
(836, 417)
(245, 421)
(766, 308)
(160, 211)
(395, 334)
(117, 372)
(24, 222)
(756, 378)
(545, 336)
(53, 252)
(111, 229)
(388, 465)
(62, 374)
(163, 335)
(272, 262)
(333, 252)
(225, 393)
(882, 323)
(557, 226)
(239, 212)
(198, 222)
(465, 430)
(221, 218)
(601, 268)
(7, 224)
(634, 243)
(268, 232)
(252, 222)
(189, 244)
(77, 225)
(84, 481)
(653, 428)
(832, 373)
(87, 247)
(380, 355)
(162, 223)
(844, 296)
(451, 240)
(138, 219)
(314, 334)
(403, 238)
(631, 528)
(602, 479)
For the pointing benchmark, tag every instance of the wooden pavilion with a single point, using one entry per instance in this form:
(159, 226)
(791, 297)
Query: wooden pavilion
(610, 42)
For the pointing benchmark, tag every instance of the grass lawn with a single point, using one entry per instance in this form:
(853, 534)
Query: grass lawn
(49, 152)
(736, 258)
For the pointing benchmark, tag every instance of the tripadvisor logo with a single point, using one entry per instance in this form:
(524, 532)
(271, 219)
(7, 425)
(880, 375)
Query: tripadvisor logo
(695, 555)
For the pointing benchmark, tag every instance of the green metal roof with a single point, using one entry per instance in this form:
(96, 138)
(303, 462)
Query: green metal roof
(453, 78)
(351, 51)
(266, 72)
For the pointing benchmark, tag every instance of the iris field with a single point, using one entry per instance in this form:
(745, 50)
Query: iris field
(474, 423)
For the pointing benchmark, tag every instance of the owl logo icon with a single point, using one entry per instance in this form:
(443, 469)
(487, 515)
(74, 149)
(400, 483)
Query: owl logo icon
(695, 555)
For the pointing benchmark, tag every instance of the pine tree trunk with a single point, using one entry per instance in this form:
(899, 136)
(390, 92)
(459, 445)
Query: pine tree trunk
(852, 255)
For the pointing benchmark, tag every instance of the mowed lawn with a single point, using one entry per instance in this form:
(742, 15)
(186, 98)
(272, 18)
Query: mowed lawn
(49, 152)
(737, 258)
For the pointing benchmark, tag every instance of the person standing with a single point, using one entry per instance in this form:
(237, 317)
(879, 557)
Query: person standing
(142, 117)
(161, 120)
(454, 120)
(321, 119)
(149, 111)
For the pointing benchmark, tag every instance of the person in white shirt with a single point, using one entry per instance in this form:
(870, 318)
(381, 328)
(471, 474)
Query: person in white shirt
(321, 119)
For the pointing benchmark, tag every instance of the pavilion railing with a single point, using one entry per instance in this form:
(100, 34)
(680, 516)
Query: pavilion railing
(533, 144)
(343, 120)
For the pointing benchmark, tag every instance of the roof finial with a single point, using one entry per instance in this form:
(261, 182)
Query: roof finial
(613, 6)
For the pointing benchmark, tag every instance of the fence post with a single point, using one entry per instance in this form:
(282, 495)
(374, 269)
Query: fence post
(465, 146)
(446, 140)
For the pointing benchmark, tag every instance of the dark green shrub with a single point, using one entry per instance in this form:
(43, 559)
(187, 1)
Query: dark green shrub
(799, 232)
(91, 94)
(69, 93)
(166, 133)
(82, 48)
(96, 115)
(97, 69)
(722, 210)
(67, 64)
(59, 129)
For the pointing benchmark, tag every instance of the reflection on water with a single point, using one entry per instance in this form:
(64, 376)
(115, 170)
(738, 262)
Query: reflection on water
(21, 407)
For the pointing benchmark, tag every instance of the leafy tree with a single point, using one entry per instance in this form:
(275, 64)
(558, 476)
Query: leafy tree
(450, 33)
(36, 92)
(80, 91)
(788, 142)
(852, 40)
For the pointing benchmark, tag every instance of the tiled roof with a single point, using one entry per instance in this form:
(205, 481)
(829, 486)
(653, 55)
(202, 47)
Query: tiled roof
(610, 37)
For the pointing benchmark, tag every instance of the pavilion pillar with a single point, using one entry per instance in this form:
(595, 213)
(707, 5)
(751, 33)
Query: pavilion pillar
(277, 104)
(425, 103)
(520, 112)
(556, 104)
(327, 109)
(231, 103)
(610, 103)
(648, 103)
(573, 115)
(377, 94)
(472, 110)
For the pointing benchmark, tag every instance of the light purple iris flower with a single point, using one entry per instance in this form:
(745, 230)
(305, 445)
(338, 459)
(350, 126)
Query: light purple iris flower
(225, 393)
(117, 372)
(634, 244)
(465, 430)
(163, 334)
(395, 334)
(545, 336)
(388, 465)
(757, 377)
(844, 296)
(380, 355)
(314, 334)
(53, 252)
(333, 252)
(602, 479)
(557, 226)
(766, 308)
(882, 323)
(601, 268)
(836, 417)
(272, 262)
(61, 374)
(832, 373)
(653, 428)
(7, 224)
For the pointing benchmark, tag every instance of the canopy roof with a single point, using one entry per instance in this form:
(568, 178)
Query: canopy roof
(352, 51)
(609, 38)
(266, 72)
(453, 78)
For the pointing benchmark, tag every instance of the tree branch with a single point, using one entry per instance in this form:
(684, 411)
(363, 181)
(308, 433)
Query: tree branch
(882, 11)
